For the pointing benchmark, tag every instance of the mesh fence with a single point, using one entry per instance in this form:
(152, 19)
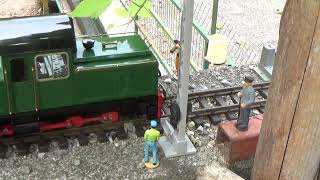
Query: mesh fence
(165, 24)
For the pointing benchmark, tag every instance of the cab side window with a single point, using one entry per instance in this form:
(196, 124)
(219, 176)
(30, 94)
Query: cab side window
(18, 70)
(52, 66)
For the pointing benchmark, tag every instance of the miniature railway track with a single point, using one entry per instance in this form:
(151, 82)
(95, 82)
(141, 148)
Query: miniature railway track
(219, 104)
(22, 144)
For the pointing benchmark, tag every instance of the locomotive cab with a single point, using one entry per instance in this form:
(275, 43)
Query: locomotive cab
(32, 50)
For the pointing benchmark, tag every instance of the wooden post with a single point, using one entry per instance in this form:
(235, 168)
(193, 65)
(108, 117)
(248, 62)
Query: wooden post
(289, 142)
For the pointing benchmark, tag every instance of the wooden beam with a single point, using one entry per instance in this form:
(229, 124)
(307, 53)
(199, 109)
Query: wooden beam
(217, 172)
(289, 142)
(303, 148)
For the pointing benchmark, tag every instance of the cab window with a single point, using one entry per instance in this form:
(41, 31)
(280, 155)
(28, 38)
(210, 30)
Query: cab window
(52, 66)
(18, 69)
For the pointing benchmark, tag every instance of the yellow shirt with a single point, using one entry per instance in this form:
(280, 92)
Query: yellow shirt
(152, 135)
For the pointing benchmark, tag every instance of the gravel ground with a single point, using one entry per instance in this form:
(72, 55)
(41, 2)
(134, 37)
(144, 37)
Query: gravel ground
(19, 8)
(117, 160)
(256, 22)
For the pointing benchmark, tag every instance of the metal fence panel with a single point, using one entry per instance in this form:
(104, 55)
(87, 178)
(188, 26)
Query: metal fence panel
(164, 26)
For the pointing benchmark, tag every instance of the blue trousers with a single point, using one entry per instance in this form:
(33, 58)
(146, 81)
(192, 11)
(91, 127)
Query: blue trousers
(149, 145)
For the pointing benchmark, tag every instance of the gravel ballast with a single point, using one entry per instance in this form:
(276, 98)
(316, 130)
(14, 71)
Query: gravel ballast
(104, 161)
(216, 77)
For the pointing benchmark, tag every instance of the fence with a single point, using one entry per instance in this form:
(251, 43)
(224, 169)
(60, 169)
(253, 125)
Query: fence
(164, 26)
(239, 52)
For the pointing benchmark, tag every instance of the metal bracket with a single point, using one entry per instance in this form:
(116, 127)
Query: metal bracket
(171, 144)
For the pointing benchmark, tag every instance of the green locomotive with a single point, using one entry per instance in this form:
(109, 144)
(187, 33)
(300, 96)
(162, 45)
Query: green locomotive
(50, 80)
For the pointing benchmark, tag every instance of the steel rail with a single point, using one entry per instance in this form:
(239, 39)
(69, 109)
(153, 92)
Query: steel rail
(221, 91)
(219, 110)
(43, 139)
(205, 110)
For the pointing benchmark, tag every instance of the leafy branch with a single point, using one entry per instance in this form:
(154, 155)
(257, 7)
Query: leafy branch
(94, 8)
(90, 8)
(142, 6)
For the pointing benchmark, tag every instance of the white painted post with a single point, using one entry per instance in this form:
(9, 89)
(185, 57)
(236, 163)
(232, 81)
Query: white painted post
(184, 70)
(176, 142)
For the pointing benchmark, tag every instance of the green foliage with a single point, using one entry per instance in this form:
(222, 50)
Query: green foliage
(110, 26)
(140, 8)
(90, 8)
(94, 8)
(121, 12)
